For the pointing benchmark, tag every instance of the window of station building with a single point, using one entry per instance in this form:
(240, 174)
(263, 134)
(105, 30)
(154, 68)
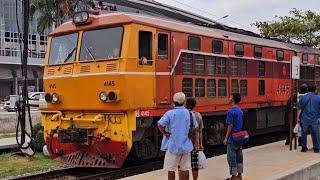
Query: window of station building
(7, 36)
(261, 87)
(199, 64)
(211, 87)
(217, 46)
(199, 88)
(234, 86)
(43, 40)
(162, 46)
(243, 87)
(187, 63)
(194, 43)
(243, 67)
(233, 67)
(221, 65)
(211, 65)
(187, 87)
(145, 48)
(222, 88)
(257, 52)
(280, 55)
(239, 49)
(262, 68)
(305, 58)
(33, 39)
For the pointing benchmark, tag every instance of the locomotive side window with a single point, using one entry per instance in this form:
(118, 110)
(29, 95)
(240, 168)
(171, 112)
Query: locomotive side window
(101, 44)
(280, 55)
(187, 63)
(239, 50)
(217, 46)
(194, 43)
(163, 46)
(211, 87)
(187, 87)
(242, 67)
(305, 58)
(221, 65)
(222, 88)
(234, 67)
(257, 52)
(262, 68)
(199, 64)
(145, 48)
(243, 87)
(234, 86)
(261, 88)
(63, 49)
(211, 65)
(199, 88)
(317, 74)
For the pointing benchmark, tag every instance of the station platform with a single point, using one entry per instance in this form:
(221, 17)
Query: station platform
(8, 143)
(270, 161)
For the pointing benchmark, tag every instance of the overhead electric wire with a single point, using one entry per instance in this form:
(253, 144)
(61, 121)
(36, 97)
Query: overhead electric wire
(207, 12)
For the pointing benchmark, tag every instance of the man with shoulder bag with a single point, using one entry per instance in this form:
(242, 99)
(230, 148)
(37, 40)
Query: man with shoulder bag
(235, 138)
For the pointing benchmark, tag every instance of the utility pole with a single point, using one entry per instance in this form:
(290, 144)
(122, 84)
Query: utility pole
(24, 68)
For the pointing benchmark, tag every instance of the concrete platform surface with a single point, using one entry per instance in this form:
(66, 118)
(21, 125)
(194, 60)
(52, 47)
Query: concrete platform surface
(6, 143)
(270, 161)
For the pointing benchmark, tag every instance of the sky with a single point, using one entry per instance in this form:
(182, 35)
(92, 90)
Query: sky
(242, 13)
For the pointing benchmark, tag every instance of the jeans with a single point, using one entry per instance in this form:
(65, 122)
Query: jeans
(235, 159)
(314, 135)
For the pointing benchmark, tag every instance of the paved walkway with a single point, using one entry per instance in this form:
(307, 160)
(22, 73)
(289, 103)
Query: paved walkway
(6, 143)
(271, 161)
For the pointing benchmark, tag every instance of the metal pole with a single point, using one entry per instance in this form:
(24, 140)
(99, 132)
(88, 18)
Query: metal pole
(292, 114)
(24, 67)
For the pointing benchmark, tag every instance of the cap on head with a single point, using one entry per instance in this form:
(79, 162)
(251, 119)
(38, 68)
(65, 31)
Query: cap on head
(179, 97)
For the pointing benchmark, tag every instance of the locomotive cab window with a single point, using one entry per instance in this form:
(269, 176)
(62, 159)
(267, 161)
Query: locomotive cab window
(305, 58)
(280, 55)
(145, 48)
(162, 46)
(63, 49)
(101, 44)
(217, 46)
(318, 60)
(239, 50)
(194, 43)
(257, 52)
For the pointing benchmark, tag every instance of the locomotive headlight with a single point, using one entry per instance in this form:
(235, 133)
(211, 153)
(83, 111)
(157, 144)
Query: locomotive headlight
(112, 96)
(55, 98)
(48, 97)
(80, 17)
(103, 96)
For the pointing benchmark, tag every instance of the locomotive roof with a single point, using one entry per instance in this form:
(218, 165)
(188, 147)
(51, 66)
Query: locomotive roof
(125, 18)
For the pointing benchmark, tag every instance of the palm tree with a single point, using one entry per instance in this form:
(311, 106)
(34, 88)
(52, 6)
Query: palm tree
(54, 12)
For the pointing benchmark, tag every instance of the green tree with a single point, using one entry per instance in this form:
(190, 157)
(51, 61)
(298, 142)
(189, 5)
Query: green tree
(300, 27)
(54, 12)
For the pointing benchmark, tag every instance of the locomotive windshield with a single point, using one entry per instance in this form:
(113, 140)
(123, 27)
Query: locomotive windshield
(63, 49)
(101, 44)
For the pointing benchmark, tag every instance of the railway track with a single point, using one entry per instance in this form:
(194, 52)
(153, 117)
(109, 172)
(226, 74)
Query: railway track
(110, 174)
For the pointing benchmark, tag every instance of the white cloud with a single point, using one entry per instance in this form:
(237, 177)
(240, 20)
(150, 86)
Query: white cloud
(242, 13)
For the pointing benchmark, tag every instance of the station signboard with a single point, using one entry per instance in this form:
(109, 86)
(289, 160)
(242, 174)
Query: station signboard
(295, 67)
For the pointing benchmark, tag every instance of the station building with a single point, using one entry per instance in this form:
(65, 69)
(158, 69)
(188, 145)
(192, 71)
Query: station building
(10, 61)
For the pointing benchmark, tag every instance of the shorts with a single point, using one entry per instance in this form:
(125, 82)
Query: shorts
(194, 161)
(173, 161)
